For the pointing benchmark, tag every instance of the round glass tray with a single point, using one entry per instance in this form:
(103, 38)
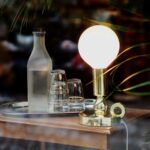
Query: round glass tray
(20, 109)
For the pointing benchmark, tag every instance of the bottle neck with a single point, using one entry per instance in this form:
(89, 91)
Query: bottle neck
(39, 40)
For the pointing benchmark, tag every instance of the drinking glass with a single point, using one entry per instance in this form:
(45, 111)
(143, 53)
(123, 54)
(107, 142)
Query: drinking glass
(58, 94)
(76, 98)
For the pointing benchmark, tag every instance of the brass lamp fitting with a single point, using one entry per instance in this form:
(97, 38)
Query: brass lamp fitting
(101, 116)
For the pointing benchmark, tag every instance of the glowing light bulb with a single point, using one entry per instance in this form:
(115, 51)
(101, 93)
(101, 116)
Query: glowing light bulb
(98, 46)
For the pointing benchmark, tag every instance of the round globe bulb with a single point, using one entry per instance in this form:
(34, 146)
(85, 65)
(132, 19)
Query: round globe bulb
(98, 46)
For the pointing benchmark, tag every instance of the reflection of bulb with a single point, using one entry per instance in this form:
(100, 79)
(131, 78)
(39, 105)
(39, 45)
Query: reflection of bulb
(98, 46)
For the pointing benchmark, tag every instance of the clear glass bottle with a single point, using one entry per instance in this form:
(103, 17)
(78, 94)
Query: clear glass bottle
(39, 67)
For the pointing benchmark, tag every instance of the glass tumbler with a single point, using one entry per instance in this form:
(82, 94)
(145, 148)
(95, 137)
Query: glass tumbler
(58, 94)
(76, 98)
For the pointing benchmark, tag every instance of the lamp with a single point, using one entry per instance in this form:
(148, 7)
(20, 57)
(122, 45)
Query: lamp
(98, 46)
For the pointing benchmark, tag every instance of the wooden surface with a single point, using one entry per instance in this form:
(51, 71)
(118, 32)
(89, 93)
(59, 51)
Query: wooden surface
(62, 130)
(134, 114)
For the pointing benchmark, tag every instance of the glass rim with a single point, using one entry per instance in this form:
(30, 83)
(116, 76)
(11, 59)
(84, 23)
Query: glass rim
(39, 33)
(74, 80)
(58, 71)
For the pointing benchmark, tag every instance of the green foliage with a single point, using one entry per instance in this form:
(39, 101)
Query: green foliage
(20, 11)
(141, 84)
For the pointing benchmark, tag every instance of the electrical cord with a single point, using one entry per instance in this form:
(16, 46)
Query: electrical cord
(127, 133)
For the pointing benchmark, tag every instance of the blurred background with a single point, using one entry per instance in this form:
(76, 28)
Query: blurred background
(64, 21)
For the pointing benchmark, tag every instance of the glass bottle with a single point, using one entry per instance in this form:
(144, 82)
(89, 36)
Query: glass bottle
(39, 67)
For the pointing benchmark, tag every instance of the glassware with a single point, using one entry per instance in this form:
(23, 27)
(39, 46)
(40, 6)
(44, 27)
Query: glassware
(39, 67)
(58, 91)
(76, 98)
